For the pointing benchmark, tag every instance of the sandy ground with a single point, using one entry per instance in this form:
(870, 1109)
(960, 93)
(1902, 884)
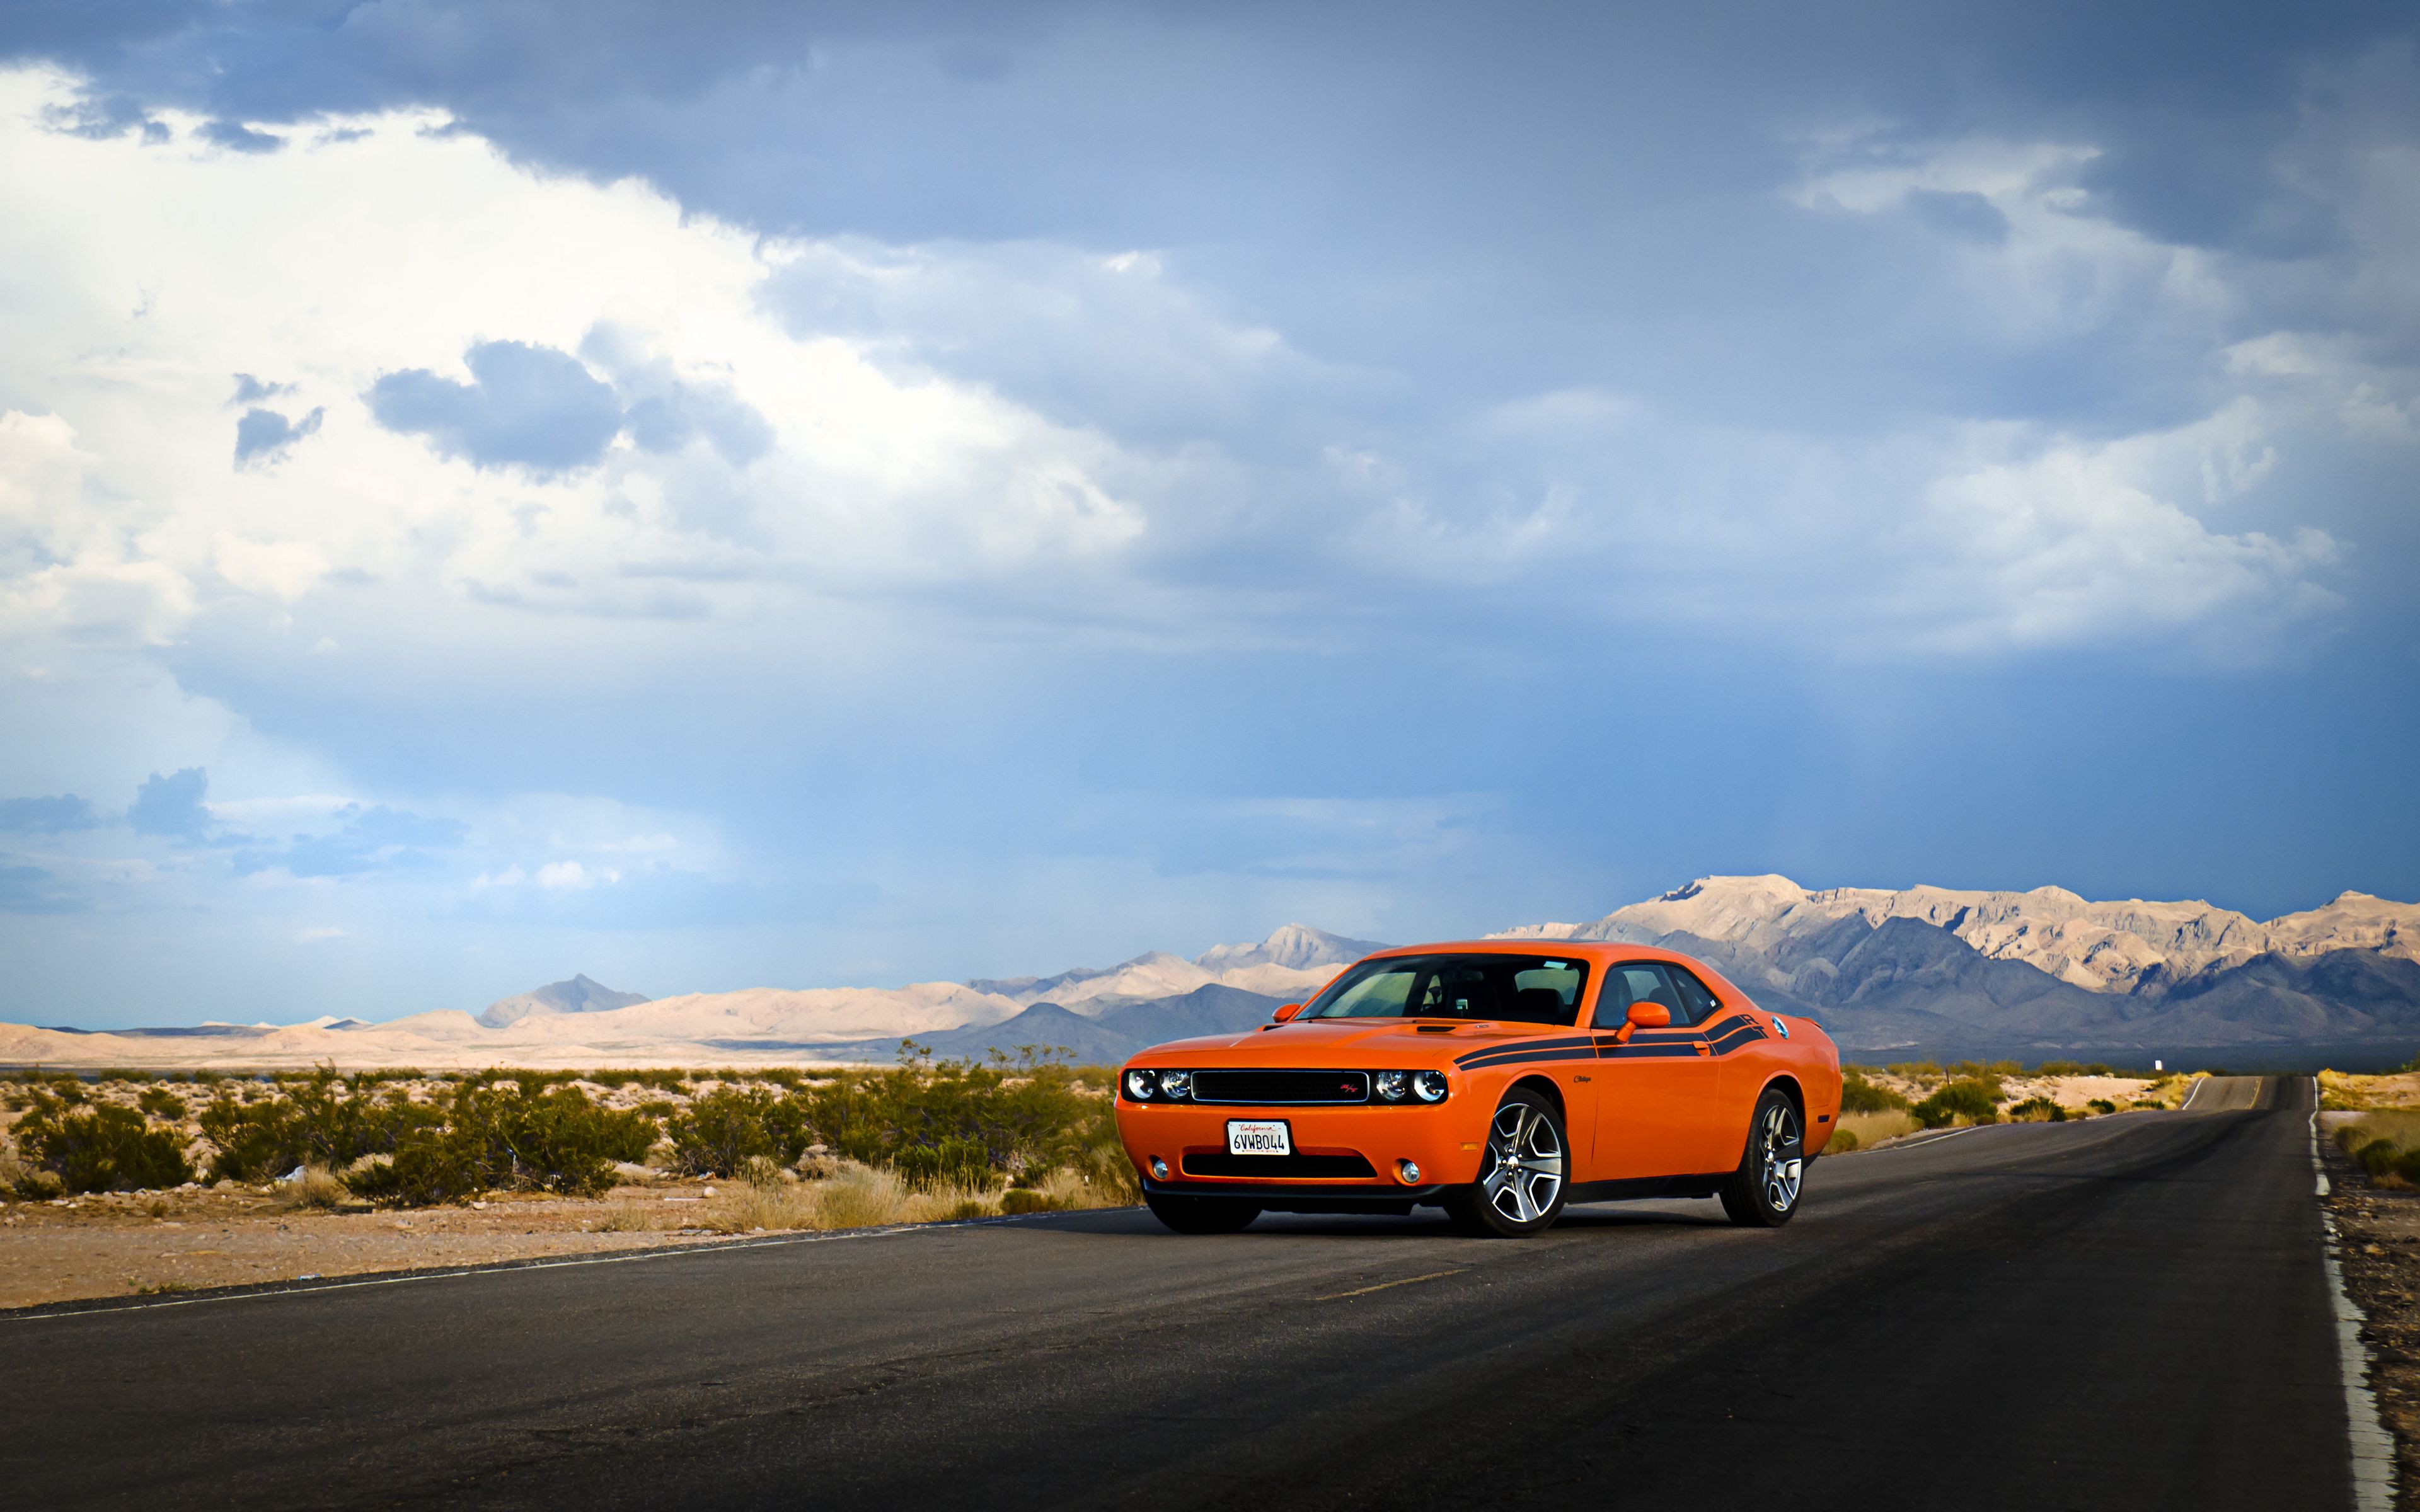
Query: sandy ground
(2378, 1231)
(120, 1245)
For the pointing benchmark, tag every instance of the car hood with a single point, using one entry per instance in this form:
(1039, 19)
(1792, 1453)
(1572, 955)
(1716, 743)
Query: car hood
(1321, 1042)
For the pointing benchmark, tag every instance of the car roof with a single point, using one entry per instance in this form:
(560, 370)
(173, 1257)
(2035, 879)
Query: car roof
(1598, 950)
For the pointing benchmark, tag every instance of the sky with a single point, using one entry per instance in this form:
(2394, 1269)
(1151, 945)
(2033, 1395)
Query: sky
(733, 495)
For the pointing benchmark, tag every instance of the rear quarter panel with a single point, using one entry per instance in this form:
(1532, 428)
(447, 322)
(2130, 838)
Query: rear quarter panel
(1806, 1059)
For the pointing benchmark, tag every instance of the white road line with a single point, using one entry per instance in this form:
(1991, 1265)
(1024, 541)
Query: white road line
(2371, 1446)
(2192, 1092)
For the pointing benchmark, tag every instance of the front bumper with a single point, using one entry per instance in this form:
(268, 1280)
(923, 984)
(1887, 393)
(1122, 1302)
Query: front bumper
(1444, 1141)
(1304, 1196)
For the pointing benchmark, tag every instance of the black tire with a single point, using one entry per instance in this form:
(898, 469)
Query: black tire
(1764, 1192)
(1202, 1215)
(1522, 1177)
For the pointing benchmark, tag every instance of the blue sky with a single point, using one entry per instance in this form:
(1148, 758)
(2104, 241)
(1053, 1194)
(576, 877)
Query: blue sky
(731, 496)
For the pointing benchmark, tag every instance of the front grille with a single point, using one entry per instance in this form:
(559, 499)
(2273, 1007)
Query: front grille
(1280, 1167)
(1281, 1089)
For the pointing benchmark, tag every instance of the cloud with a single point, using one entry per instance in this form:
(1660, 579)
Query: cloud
(371, 839)
(47, 816)
(263, 436)
(528, 406)
(250, 390)
(237, 137)
(172, 806)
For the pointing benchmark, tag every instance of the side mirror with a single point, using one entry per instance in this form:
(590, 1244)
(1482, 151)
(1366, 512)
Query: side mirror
(1643, 1016)
(1286, 1013)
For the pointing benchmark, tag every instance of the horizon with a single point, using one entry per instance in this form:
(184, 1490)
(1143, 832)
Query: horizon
(1147, 952)
(881, 496)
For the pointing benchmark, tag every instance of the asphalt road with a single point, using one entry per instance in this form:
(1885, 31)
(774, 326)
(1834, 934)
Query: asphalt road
(2125, 1313)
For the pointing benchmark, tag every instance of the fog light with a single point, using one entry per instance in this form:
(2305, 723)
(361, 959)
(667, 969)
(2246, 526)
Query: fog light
(1393, 1084)
(1140, 1085)
(1158, 1169)
(1176, 1086)
(1429, 1087)
(1409, 1171)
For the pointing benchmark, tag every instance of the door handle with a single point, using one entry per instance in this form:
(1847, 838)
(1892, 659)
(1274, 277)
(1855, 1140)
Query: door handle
(1704, 1049)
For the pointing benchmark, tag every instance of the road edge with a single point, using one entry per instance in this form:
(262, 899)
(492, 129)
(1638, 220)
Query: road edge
(2367, 1440)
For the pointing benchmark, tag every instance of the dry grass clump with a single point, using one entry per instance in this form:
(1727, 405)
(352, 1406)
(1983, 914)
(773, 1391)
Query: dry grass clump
(632, 1218)
(2386, 1144)
(872, 1197)
(317, 1187)
(1863, 1131)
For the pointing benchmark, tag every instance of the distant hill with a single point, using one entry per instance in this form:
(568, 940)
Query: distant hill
(1103, 1039)
(578, 995)
(1893, 975)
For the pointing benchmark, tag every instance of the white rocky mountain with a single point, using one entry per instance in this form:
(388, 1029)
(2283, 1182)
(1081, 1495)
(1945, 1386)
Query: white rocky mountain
(2127, 947)
(1294, 960)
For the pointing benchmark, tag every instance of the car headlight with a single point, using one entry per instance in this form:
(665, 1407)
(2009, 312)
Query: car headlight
(1429, 1087)
(1141, 1085)
(1393, 1086)
(1176, 1086)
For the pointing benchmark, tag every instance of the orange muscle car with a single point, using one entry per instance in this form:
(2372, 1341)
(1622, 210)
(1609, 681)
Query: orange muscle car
(1499, 1080)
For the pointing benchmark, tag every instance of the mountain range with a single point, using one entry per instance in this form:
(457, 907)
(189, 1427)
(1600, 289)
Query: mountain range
(1892, 974)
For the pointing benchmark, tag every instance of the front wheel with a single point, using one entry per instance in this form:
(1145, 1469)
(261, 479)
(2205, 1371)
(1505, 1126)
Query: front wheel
(1520, 1189)
(1763, 1192)
(1202, 1215)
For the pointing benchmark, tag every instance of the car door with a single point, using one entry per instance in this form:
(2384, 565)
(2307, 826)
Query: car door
(1658, 1113)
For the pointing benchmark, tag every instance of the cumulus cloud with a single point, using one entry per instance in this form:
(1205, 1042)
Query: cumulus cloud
(171, 805)
(263, 436)
(529, 405)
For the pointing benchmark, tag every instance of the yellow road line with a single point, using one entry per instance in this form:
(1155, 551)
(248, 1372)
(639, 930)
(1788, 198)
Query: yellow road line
(1410, 1280)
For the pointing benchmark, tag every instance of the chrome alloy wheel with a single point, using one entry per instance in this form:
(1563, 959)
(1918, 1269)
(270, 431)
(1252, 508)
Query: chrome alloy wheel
(1524, 1172)
(1781, 1159)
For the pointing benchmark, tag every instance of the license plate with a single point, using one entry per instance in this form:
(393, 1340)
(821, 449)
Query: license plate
(1259, 1136)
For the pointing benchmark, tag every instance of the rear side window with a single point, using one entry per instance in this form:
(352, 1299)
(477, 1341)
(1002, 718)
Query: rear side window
(1701, 1003)
(1635, 981)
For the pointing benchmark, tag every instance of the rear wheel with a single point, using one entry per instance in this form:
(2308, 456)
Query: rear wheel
(1521, 1178)
(1202, 1215)
(1763, 1192)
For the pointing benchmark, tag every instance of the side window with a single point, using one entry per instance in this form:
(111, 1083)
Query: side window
(1635, 981)
(1701, 1003)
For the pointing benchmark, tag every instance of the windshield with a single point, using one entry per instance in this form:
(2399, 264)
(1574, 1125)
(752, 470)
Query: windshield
(1531, 988)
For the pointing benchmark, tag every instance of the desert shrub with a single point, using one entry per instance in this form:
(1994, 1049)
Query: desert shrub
(318, 1119)
(489, 1135)
(1844, 1142)
(1027, 1112)
(132, 1078)
(2102, 1105)
(159, 1103)
(723, 1129)
(1858, 1095)
(2038, 1109)
(949, 1161)
(101, 1148)
(1915, 1071)
(1967, 1097)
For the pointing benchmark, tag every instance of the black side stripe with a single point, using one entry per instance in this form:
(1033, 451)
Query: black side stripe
(1578, 1044)
(1720, 1038)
